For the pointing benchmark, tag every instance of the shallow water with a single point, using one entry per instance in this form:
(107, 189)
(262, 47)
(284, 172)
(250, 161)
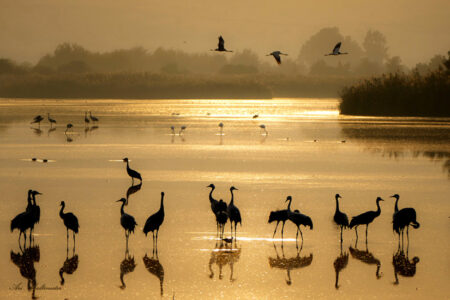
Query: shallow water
(310, 152)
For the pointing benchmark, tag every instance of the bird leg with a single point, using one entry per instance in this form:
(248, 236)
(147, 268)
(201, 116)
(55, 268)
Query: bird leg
(282, 231)
(356, 230)
(367, 227)
(235, 231)
(407, 234)
(341, 234)
(301, 234)
(275, 230)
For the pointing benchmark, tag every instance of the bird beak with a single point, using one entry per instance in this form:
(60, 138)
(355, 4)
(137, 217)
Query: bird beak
(119, 200)
(392, 196)
(38, 193)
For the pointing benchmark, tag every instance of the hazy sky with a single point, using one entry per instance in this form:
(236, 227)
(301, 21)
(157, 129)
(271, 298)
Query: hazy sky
(415, 29)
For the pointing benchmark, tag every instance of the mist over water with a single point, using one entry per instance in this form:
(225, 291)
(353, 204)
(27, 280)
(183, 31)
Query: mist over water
(310, 152)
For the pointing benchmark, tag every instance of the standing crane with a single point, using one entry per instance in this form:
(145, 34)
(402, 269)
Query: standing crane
(132, 173)
(154, 222)
(340, 218)
(214, 203)
(276, 55)
(35, 211)
(68, 126)
(127, 221)
(263, 127)
(93, 119)
(403, 218)
(233, 213)
(50, 120)
(70, 221)
(24, 220)
(279, 216)
(298, 219)
(365, 218)
(86, 119)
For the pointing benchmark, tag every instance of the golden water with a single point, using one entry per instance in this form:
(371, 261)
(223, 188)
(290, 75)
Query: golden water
(310, 153)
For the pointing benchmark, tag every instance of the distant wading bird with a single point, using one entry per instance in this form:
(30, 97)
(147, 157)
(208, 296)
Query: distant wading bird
(70, 221)
(221, 128)
(340, 218)
(365, 218)
(221, 46)
(182, 129)
(276, 55)
(279, 216)
(154, 222)
(132, 173)
(298, 219)
(336, 50)
(127, 221)
(68, 126)
(403, 218)
(233, 213)
(93, 119)
(38, 120)
(263, 127)
(50, 120)
(86, 119)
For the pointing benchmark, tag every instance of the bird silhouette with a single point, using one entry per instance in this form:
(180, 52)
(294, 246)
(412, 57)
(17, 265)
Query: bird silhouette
(276, 55)
(278, 216)
(340, 218)
(214, 203)
(172, 129)
(336, 50)
(132, 173)
(154, 222)
(69, 266)
(182, 129)
(233, 212)
(403, 218)
(38, 120)
(51, 120)
(365, 219)
(289, 264)
(70, 221)
(367, 258)
(127, 221)
(220, 128)
(298, 219)
(155, 267)
(127, 265)
(263, 127)
(24, 220)
(221, 46)
(93, 119)
(68, 126)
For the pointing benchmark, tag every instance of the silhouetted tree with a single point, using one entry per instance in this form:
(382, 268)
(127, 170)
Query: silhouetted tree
(375, 46)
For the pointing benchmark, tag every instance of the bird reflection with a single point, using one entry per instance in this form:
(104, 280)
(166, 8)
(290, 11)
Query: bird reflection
(133, 189)
(366, 257)
(37, 131)
(69, 139)
(222, 255)
(50, 130)
(70, 265)
(340, 263)
(402, 264)
(126, 266)
(25, 260)
(289, 264)
(92, 128)
(154, 266)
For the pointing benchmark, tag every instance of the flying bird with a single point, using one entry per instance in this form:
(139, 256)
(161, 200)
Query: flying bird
(336, 50)
(221, 46)
(276, 55)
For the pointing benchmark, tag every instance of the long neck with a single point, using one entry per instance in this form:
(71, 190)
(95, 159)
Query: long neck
(61, 214)
(289, 205)
(210, 194)
(29, 199)
(396, 205)
(337, 204)
(128, 166)
(378, 208)
(162, 204)
(121, 208)
(232, 197)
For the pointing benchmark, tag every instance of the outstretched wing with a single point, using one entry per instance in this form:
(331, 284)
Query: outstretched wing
(336, 48)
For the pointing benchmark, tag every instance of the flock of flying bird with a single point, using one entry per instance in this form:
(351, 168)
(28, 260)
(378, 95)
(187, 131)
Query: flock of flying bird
(276, 54)
(223, 213)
